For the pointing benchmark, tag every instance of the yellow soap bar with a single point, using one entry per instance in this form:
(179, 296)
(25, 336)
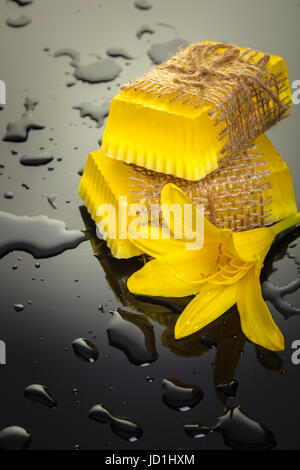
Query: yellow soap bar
(103, 181)
(184, 133)
(255, 189)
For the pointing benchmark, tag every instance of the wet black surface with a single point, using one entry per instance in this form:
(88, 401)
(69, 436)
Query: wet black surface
(51, 303)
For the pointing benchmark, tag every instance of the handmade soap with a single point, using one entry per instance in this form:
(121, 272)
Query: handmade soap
(251, 189)
(204, 104)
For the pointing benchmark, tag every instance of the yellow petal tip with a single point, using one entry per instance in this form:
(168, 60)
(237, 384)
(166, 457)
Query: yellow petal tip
(178, 335)
(178, 330)
(131, 285)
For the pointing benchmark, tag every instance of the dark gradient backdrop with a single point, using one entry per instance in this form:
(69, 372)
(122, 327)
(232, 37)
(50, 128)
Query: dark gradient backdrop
(61, 297)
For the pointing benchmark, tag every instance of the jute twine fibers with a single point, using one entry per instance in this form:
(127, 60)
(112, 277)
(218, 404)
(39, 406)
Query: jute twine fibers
(244, 94)
(237, 195)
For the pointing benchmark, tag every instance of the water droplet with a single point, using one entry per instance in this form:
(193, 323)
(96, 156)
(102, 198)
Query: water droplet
(143, 30)
(96, 113)
(118, 52)
(128, 429)
(160, 52)
(38, 235)
(85, 350)
(9, 195)
(179, 395)
(239, 431)
(23, 3)
(102, 70)
(133, 334)
(36, 160)
(276, 295)
(142, 4)
(41, 394)
(196, 430)
(18, 307)
(20, 22)
(14, 438)
(18, 131)
(149, 379)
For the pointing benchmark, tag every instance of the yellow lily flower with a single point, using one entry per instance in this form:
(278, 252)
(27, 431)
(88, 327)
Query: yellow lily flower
(226, 271)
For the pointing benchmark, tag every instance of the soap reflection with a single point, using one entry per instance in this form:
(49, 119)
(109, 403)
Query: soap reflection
(224, 334)
(239, 431)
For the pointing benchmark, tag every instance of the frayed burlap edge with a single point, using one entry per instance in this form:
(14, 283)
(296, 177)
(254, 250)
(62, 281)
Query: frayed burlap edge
(245, 95)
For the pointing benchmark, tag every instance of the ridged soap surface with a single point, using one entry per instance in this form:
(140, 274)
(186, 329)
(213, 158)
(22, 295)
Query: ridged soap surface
(102, 182)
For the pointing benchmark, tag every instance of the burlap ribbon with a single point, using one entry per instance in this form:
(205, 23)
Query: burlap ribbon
(237, 195)
(245, 95)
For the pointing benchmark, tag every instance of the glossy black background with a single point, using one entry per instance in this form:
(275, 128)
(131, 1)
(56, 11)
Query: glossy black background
(37, 337)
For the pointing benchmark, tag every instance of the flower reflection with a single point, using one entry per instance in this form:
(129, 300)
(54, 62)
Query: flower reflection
(224, 336)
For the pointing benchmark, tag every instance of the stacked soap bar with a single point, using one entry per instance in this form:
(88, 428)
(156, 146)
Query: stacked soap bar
(243, 193)
(198, 121)
(205, 103)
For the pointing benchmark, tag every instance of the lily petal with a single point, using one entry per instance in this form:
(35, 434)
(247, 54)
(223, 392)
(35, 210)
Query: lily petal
(251, 245)
(248, 245)
(172, 195)
(174, 275)
(155, 241)
(256, 320)
(286, 223)
(207, 306)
